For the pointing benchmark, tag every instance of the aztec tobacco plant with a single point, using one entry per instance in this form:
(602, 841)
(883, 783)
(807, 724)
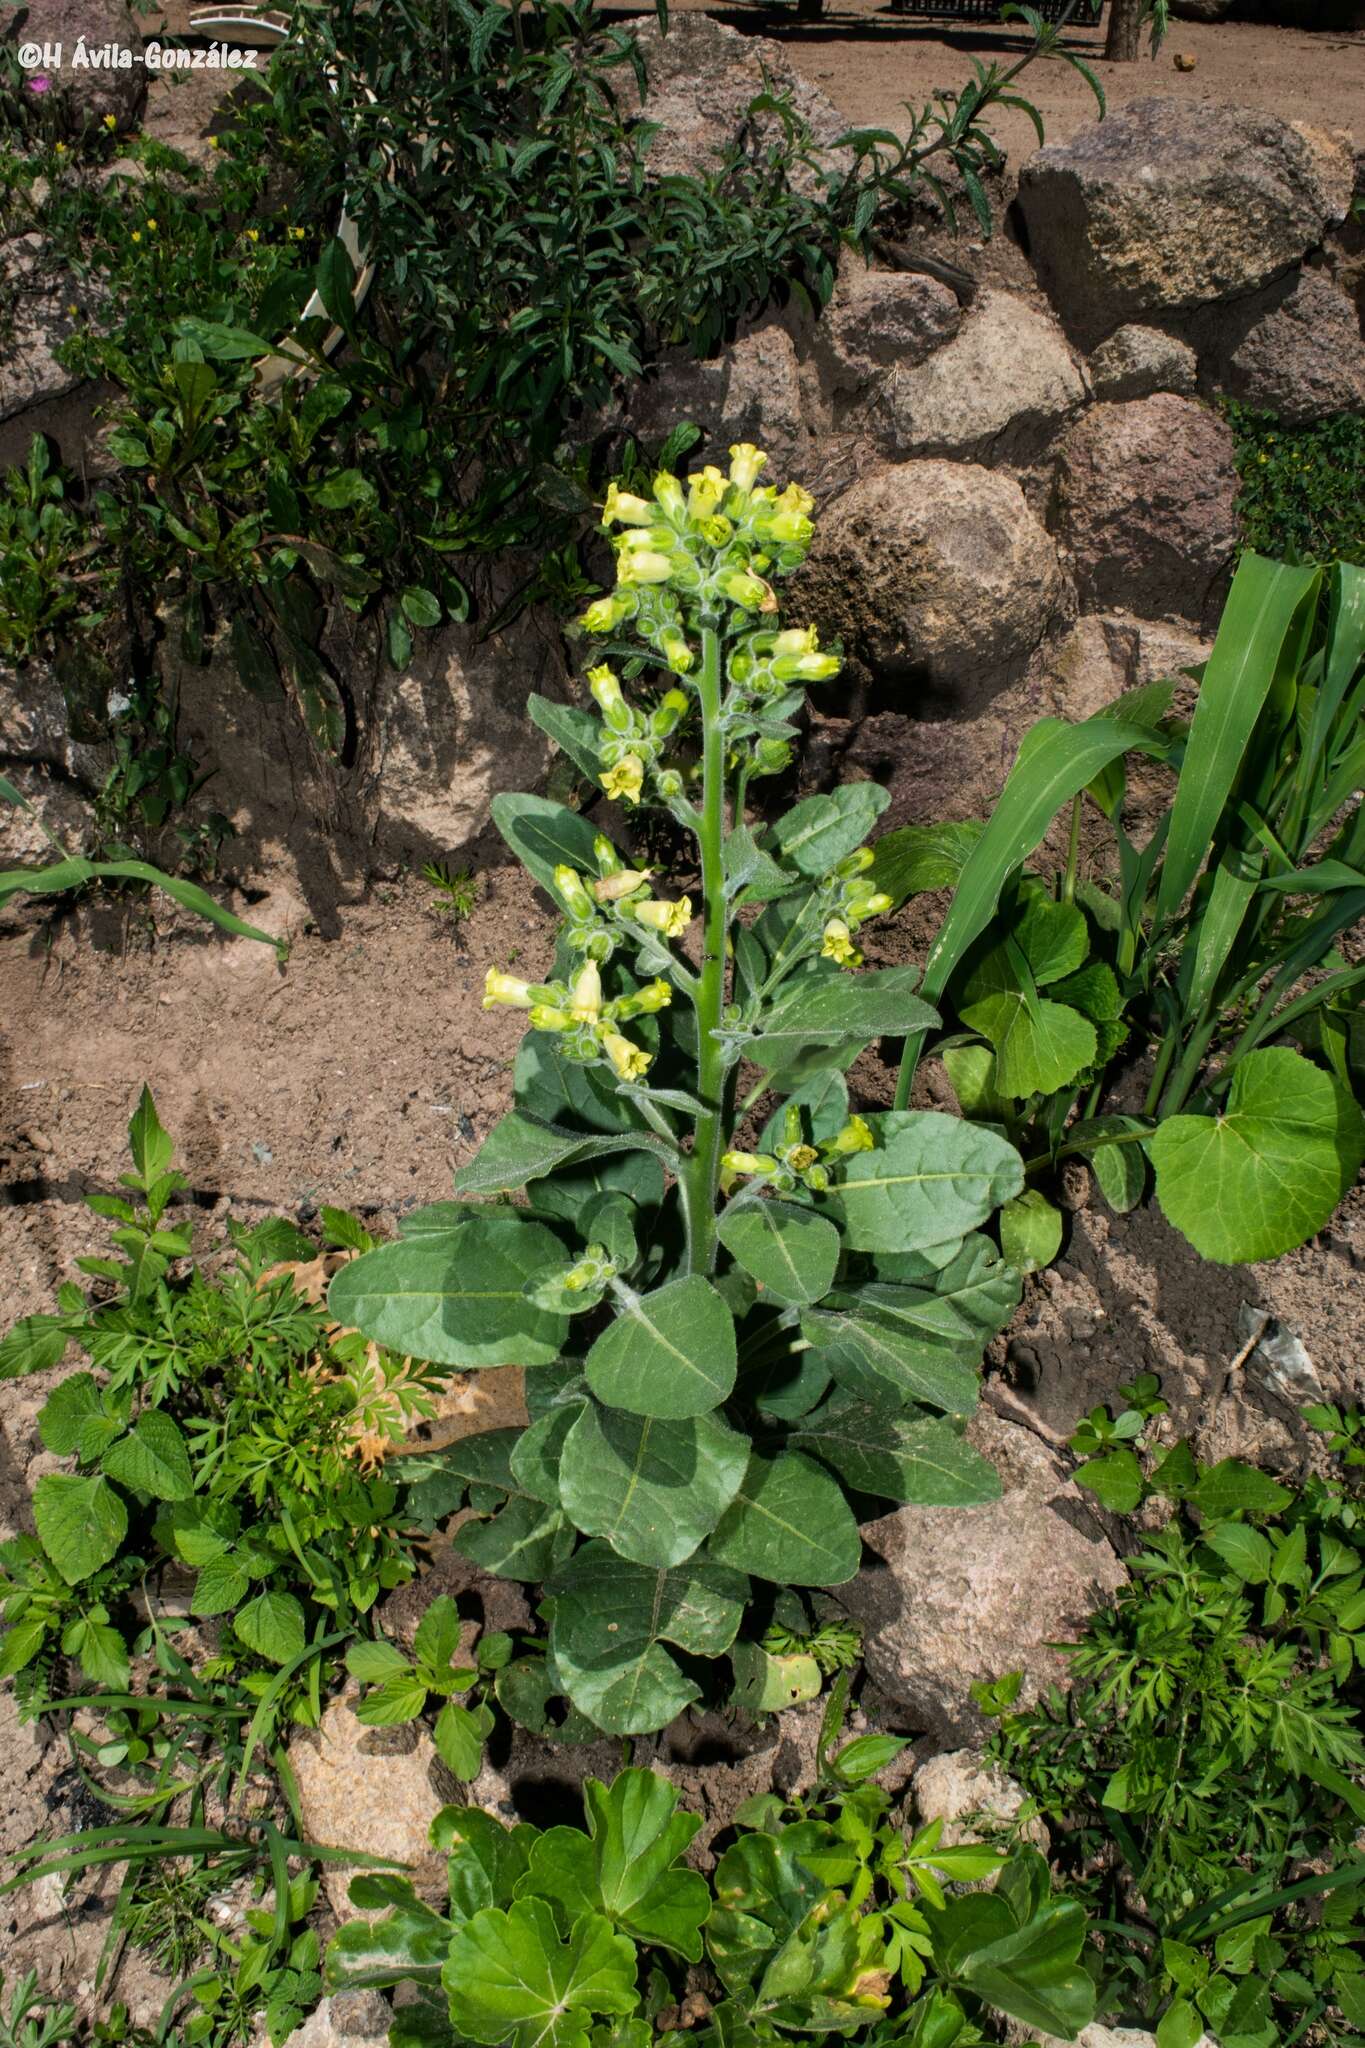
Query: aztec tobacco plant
(732, 1341)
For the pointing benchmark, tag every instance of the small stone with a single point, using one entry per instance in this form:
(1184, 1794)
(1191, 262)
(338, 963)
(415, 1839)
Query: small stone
(1136, 361)
(1184, 60)
(960, 1787)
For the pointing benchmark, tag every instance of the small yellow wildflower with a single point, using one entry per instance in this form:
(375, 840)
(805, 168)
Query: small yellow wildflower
(135, 236)
(626, 779)
(110, 123)
(670, 920)
(505, 988)
(253, 234)
(628, 1061)
(838, 945)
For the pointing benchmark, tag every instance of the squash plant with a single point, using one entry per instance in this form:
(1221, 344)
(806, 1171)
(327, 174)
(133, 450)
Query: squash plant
(736, 1335)
(1212, 941)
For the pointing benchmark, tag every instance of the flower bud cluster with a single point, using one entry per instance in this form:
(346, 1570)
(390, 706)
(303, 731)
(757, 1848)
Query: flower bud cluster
(767, 665)
(711, 542)
(616, 903)
(576, 1012)
(587, 1279)
(796, 1162)
(632, 740)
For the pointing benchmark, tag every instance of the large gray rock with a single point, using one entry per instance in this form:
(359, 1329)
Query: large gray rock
(81, 95)
(1304, 358)
(997, 392)
(880, 321)
(749, 392)
(702, 77)
(964, 1594)
(348, 2019)
(40, 303)
(1144, 503)
(1137, 361)
(934, 573)
(1167, 205)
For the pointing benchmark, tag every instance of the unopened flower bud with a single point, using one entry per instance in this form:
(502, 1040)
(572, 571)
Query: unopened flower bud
(547, 1017)
(585, 997)
(676, 652)
(750, 591)
(669, 784)
(664, 718)
(749, 1162)
(604, 613)
(817, 1179)
(855, 863)
(611, 888)
(506, 989)
(668, 493)
(645, 567)
(771, 756)
(572, 894)
(606, 689)
(646, 1001)
(745, 463)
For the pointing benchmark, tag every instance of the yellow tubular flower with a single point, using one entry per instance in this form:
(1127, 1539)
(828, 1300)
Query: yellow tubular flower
(626, 779)
(606, 690)
(750, 591)
(796, 640)
(838, 944)
(585, 997)
(745, 463)
(705, 490)
(800, 1158)
(505, 988)
(544, 1017)
(670, 920)
(624, 507)
(644, 567)
(600, 616)
(856, 1136)
(629, 1062)
(749, 1162)
(668, 493)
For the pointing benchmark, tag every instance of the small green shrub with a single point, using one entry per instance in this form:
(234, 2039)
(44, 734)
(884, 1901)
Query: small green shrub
(1203, 1773)
(225, 1426)
(821, 1919)
(1302, 495)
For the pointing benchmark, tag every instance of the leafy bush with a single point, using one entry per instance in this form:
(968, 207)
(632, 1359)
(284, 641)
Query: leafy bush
(1204, 1770)
(821, 1919)
(226, 1426)
(1302, 488)
(1212, 943)
(717, 1388)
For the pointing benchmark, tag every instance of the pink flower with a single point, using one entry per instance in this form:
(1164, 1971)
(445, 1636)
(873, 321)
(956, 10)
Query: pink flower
(40, 83)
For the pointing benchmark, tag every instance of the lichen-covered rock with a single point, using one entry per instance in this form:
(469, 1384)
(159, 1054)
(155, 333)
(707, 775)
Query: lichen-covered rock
(957, 1595)
(934, 573)
(1144, 502)
(348, 2019)
(38, 301)
(1304, 358)
(702, 77)
(373, 1790)
(962, 1790)
(997, 392)
(1167, 205)
(1137, 361)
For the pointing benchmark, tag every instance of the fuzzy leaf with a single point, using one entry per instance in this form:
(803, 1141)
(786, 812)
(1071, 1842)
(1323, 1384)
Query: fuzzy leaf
(152, 1458)
(834, 1011)
(612, 1620)
(456, 1297)
(918, 1460)
(789, 1250)
(930, 1179)
(668, 1354)
(80, 1523)
(653, 1489)
(1039, 1045)
(522, 1148)
(272, 1625)
(821, 830)
(1030, 1231)
(789, 1523)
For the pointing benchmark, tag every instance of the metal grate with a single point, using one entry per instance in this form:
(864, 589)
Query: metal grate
(989, 10)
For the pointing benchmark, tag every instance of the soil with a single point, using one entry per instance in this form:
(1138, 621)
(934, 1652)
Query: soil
(363, 1072)
(871, 62)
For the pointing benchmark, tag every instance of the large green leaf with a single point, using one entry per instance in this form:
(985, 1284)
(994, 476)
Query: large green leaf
(567, 1093)
(515, 1534)
(485, 1859)
(837, 1010)
(152, 1458)
(575, 731)
(916, 858)
(1266, 1174)
(522, 1148)
(874, 1448)
(789, 1523)
(545, 835)
(458, 1298)
(80, 1523)
(653, 1489)
(788, 1249)
(821, 830)
(1032, 1972)
(1039, 1045)
(611, 1620)
(823, 1099)
(628, 1866)
(929, 1179)
(272, 1624)
(510, 1978)
(669, 1354)
(1265, 621)
(868, 1353)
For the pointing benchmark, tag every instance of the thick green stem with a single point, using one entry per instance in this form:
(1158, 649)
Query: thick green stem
(703, 1169)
